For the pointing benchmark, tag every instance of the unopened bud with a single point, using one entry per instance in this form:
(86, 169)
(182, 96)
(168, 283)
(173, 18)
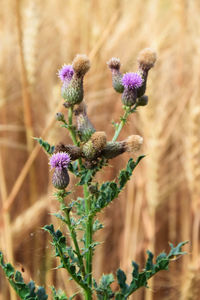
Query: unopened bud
(60, 116)
(84, 127)
(142, 101)
(114, 65)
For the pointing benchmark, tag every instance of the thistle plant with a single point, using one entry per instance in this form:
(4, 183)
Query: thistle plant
(89, 153)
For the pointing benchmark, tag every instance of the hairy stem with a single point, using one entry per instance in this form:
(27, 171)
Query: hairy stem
(73, 236)
(79, 282)
(70, 126)
(127, 112)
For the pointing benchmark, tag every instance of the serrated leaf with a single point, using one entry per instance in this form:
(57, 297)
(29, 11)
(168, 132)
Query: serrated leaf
(104, 290)
(121, 278)
(41, 294)
(58, 295)
(176, 251)
(125, 174)
(23, 290)
(140, 279)
(46, 146)
(149, 263)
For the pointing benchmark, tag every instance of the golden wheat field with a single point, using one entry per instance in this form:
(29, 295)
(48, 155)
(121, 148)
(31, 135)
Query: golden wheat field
(161, 203)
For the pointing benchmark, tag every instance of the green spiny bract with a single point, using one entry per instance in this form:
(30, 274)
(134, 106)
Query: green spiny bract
(72, 91)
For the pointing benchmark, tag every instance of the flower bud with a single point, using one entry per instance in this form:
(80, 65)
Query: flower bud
(84, 127)
(131, 82)
(133, 143)
(142, 101)
(60, 116)
(114, 65)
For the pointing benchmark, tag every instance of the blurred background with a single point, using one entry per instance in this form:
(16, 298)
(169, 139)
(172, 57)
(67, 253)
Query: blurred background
(161, 203)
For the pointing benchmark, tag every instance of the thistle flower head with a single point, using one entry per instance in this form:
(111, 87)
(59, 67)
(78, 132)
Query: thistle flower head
(114, 63)
(66, 73)
(59, 160)
(133, 143)
(81, 65)
(132, 80)
(146, 59)
(99, 140)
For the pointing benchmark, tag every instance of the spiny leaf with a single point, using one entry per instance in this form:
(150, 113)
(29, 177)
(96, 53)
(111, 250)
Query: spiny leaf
(23, 290)
(103, 290)
(176, 251)
(46, 146)
(140, 279)
(125, 174)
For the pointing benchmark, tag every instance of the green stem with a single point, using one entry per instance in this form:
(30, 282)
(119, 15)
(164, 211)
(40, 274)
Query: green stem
(121, 125)
(127, 112)
(88, 240)
(73, 131)
(73, 236)
(79, 282)
(70, 126)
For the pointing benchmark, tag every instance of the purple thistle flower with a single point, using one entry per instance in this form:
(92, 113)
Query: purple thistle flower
(59, 160)
(132, 80)
(66, 73)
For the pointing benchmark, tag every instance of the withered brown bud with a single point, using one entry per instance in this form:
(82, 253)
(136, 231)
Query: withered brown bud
(95, 145)
(133, 143)
(81, 65)
(73, 151)
(146, 59)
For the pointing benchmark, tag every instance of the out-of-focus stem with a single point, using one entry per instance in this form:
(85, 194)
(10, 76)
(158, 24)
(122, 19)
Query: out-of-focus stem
(88, 239)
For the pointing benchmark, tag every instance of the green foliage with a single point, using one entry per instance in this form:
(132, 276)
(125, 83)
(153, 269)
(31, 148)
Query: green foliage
(103, 290)
(80, 214)
(110, 190)
(140, 279)
(125, 175)
(46, 146)
(60, 295)
(66, 254)
(23, 290)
